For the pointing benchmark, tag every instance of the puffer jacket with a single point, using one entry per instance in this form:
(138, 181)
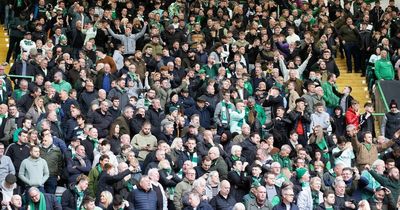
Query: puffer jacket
(143, 200)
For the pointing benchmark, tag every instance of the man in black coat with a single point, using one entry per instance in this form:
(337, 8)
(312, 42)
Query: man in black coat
(75, 194)
(26, 101)
(101, 119)
(223, 200)
(22, 67)
(155, 115)
(249, 147)
(87, 96)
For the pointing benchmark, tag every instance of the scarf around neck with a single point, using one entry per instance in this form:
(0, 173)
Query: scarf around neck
(42, 203)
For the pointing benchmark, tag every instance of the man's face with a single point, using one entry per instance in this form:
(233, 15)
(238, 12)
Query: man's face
(93, 133)
(191, 175)
(145, 184)
(330, 199)
(35, 153)
(81, 151)
(261, 194)
(35, 196)
(225, 188)
(206, 165)
(289, 196)
(190, 144)
(270, 179)
(256, 139)
(146, 129)
(24, 137)
(380, 195)
(394, 174)
(368, 138)
(104, 106)
(347, 175)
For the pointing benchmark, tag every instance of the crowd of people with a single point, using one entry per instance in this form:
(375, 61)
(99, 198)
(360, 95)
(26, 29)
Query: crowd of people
(196, 104)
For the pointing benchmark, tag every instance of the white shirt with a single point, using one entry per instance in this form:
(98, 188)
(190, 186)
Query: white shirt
(292, 38)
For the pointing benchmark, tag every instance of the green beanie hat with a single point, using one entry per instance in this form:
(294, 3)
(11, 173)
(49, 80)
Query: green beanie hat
(300, 172)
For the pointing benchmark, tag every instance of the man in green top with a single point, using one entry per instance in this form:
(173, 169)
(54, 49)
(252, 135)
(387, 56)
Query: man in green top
(254, 114)
(331, 100)
(60, 84)
(283, 157)
(211, 69)
(383, 67)
(94, 174)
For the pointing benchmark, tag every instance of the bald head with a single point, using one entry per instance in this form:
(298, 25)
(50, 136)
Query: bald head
(225, 188)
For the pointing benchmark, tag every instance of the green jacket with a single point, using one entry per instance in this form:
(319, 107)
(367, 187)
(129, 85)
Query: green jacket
(391, 184)
(94, 174)
(63, 85)
(261, 116)
(210, 71)
(284, 161)
(54, 159)
(330, 98)
(384, 69)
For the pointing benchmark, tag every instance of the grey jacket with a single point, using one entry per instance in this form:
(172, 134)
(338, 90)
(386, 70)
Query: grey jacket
(6, 167)
(34, 172)
(128, 41)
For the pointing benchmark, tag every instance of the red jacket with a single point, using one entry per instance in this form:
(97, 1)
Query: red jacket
(352, 117)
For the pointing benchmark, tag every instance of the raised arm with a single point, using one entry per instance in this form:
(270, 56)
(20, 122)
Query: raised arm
(141, 33)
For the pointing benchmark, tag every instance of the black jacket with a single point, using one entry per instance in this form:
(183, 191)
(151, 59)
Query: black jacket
(220, 203)
(106, 181)
(25, 102)
(155, 117)
(248, 150)
(51, 203)
(69, 198)
(86, 99)
(100, 121)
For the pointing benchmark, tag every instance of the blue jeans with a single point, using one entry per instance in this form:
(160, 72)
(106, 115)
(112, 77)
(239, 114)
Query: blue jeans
(50, 185)
(352, 51)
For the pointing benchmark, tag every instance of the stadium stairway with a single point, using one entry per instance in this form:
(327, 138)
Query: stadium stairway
(358, 83)
(3, 46)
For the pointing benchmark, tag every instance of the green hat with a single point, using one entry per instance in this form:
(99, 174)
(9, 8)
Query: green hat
(172, 109)
(300, 172)
(62, 37)
(201, 71)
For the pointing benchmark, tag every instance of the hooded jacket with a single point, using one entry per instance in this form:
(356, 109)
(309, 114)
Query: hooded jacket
(384, 69)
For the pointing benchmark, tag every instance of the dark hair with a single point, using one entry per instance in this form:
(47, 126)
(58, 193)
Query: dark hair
(328, 192)
(102, 157)
(23, 131)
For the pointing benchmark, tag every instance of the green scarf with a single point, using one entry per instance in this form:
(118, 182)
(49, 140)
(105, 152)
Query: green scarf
(80, 194)
(95, 142)
(225, 108)
(235, 158)
(129, 185)
(240, 122)
(193, 158)
(132, 76)
(315, 197)
(368, 146)
(99, 169)
(73, 153)
(248, 87)
(42, 203)
(3, 116)
(147, 102)
(256, 180)
(323, 145)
